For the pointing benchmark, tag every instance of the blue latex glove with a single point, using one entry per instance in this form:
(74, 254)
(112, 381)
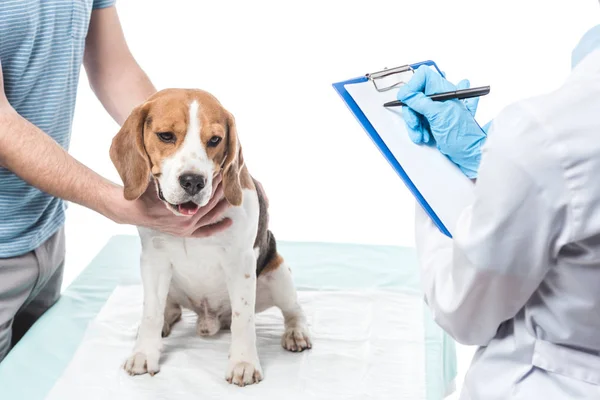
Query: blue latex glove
(450, 124)
(588, 43)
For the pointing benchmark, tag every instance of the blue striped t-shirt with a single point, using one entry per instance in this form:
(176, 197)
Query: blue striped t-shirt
(41, 51)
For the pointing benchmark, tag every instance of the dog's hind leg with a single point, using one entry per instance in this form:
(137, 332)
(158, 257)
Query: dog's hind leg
(276, 278)
(172, 315)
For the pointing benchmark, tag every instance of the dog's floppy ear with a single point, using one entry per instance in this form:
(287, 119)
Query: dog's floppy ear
(129, 156)
(234, 162)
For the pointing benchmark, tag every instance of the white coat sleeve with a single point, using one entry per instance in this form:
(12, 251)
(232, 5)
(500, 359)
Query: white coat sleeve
(503, 245)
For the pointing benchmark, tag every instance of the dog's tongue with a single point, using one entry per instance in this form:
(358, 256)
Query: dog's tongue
(189, 208)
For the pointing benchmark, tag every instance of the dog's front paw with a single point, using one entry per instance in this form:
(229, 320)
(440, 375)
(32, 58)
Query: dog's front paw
(141, 362)
(296, 339)
(244, 373)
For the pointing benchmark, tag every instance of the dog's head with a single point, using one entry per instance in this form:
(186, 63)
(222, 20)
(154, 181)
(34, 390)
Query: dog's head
(183, 139)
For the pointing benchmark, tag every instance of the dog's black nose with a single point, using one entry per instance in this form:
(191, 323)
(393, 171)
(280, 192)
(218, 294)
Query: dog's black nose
(192, 183)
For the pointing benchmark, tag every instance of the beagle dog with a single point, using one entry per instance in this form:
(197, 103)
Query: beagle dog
(179, 140)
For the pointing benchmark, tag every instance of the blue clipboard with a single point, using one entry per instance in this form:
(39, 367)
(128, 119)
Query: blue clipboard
(340, 87)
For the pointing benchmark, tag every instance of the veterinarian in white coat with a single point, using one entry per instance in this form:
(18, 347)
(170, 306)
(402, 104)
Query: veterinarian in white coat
(521, 276)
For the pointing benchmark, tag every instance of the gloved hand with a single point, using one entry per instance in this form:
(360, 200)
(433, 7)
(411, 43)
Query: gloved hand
(450, 123)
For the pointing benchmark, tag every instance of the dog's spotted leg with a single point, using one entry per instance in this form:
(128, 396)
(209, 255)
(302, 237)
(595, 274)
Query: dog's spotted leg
(244, 366)
(277, 277)
(156, 278)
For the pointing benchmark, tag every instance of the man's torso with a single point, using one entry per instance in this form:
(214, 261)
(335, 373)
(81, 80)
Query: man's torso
(41, 51)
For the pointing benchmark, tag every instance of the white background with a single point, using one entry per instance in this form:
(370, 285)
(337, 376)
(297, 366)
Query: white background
(272, 64)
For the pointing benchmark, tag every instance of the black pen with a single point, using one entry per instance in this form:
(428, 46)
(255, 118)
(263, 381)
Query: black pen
(455, 94)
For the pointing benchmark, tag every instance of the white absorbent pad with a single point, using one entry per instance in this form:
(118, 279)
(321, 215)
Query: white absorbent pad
(366, 345)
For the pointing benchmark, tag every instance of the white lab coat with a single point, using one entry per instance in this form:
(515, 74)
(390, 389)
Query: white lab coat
(521, 278)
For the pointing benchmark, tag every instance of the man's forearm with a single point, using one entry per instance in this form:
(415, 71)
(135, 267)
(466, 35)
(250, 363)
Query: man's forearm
(115, 77)
(121, 91)
(37, 159)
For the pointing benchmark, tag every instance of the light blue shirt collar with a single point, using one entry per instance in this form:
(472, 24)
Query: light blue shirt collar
(588, 43)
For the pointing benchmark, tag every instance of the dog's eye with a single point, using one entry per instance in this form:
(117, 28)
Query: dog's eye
(167, 137)
(214, 141)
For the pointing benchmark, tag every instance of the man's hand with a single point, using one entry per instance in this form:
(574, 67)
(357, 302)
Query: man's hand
(150, 212)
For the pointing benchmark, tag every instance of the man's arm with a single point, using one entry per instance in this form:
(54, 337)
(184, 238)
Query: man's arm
(115, 77)
(37, 159)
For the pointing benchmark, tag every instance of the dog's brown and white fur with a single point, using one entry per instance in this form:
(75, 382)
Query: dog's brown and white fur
(225, 278)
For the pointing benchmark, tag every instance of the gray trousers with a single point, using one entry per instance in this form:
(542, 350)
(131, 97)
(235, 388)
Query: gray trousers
(29, 285)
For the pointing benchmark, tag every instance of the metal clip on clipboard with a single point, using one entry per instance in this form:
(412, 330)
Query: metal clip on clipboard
(390, 78)
(395, 77)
